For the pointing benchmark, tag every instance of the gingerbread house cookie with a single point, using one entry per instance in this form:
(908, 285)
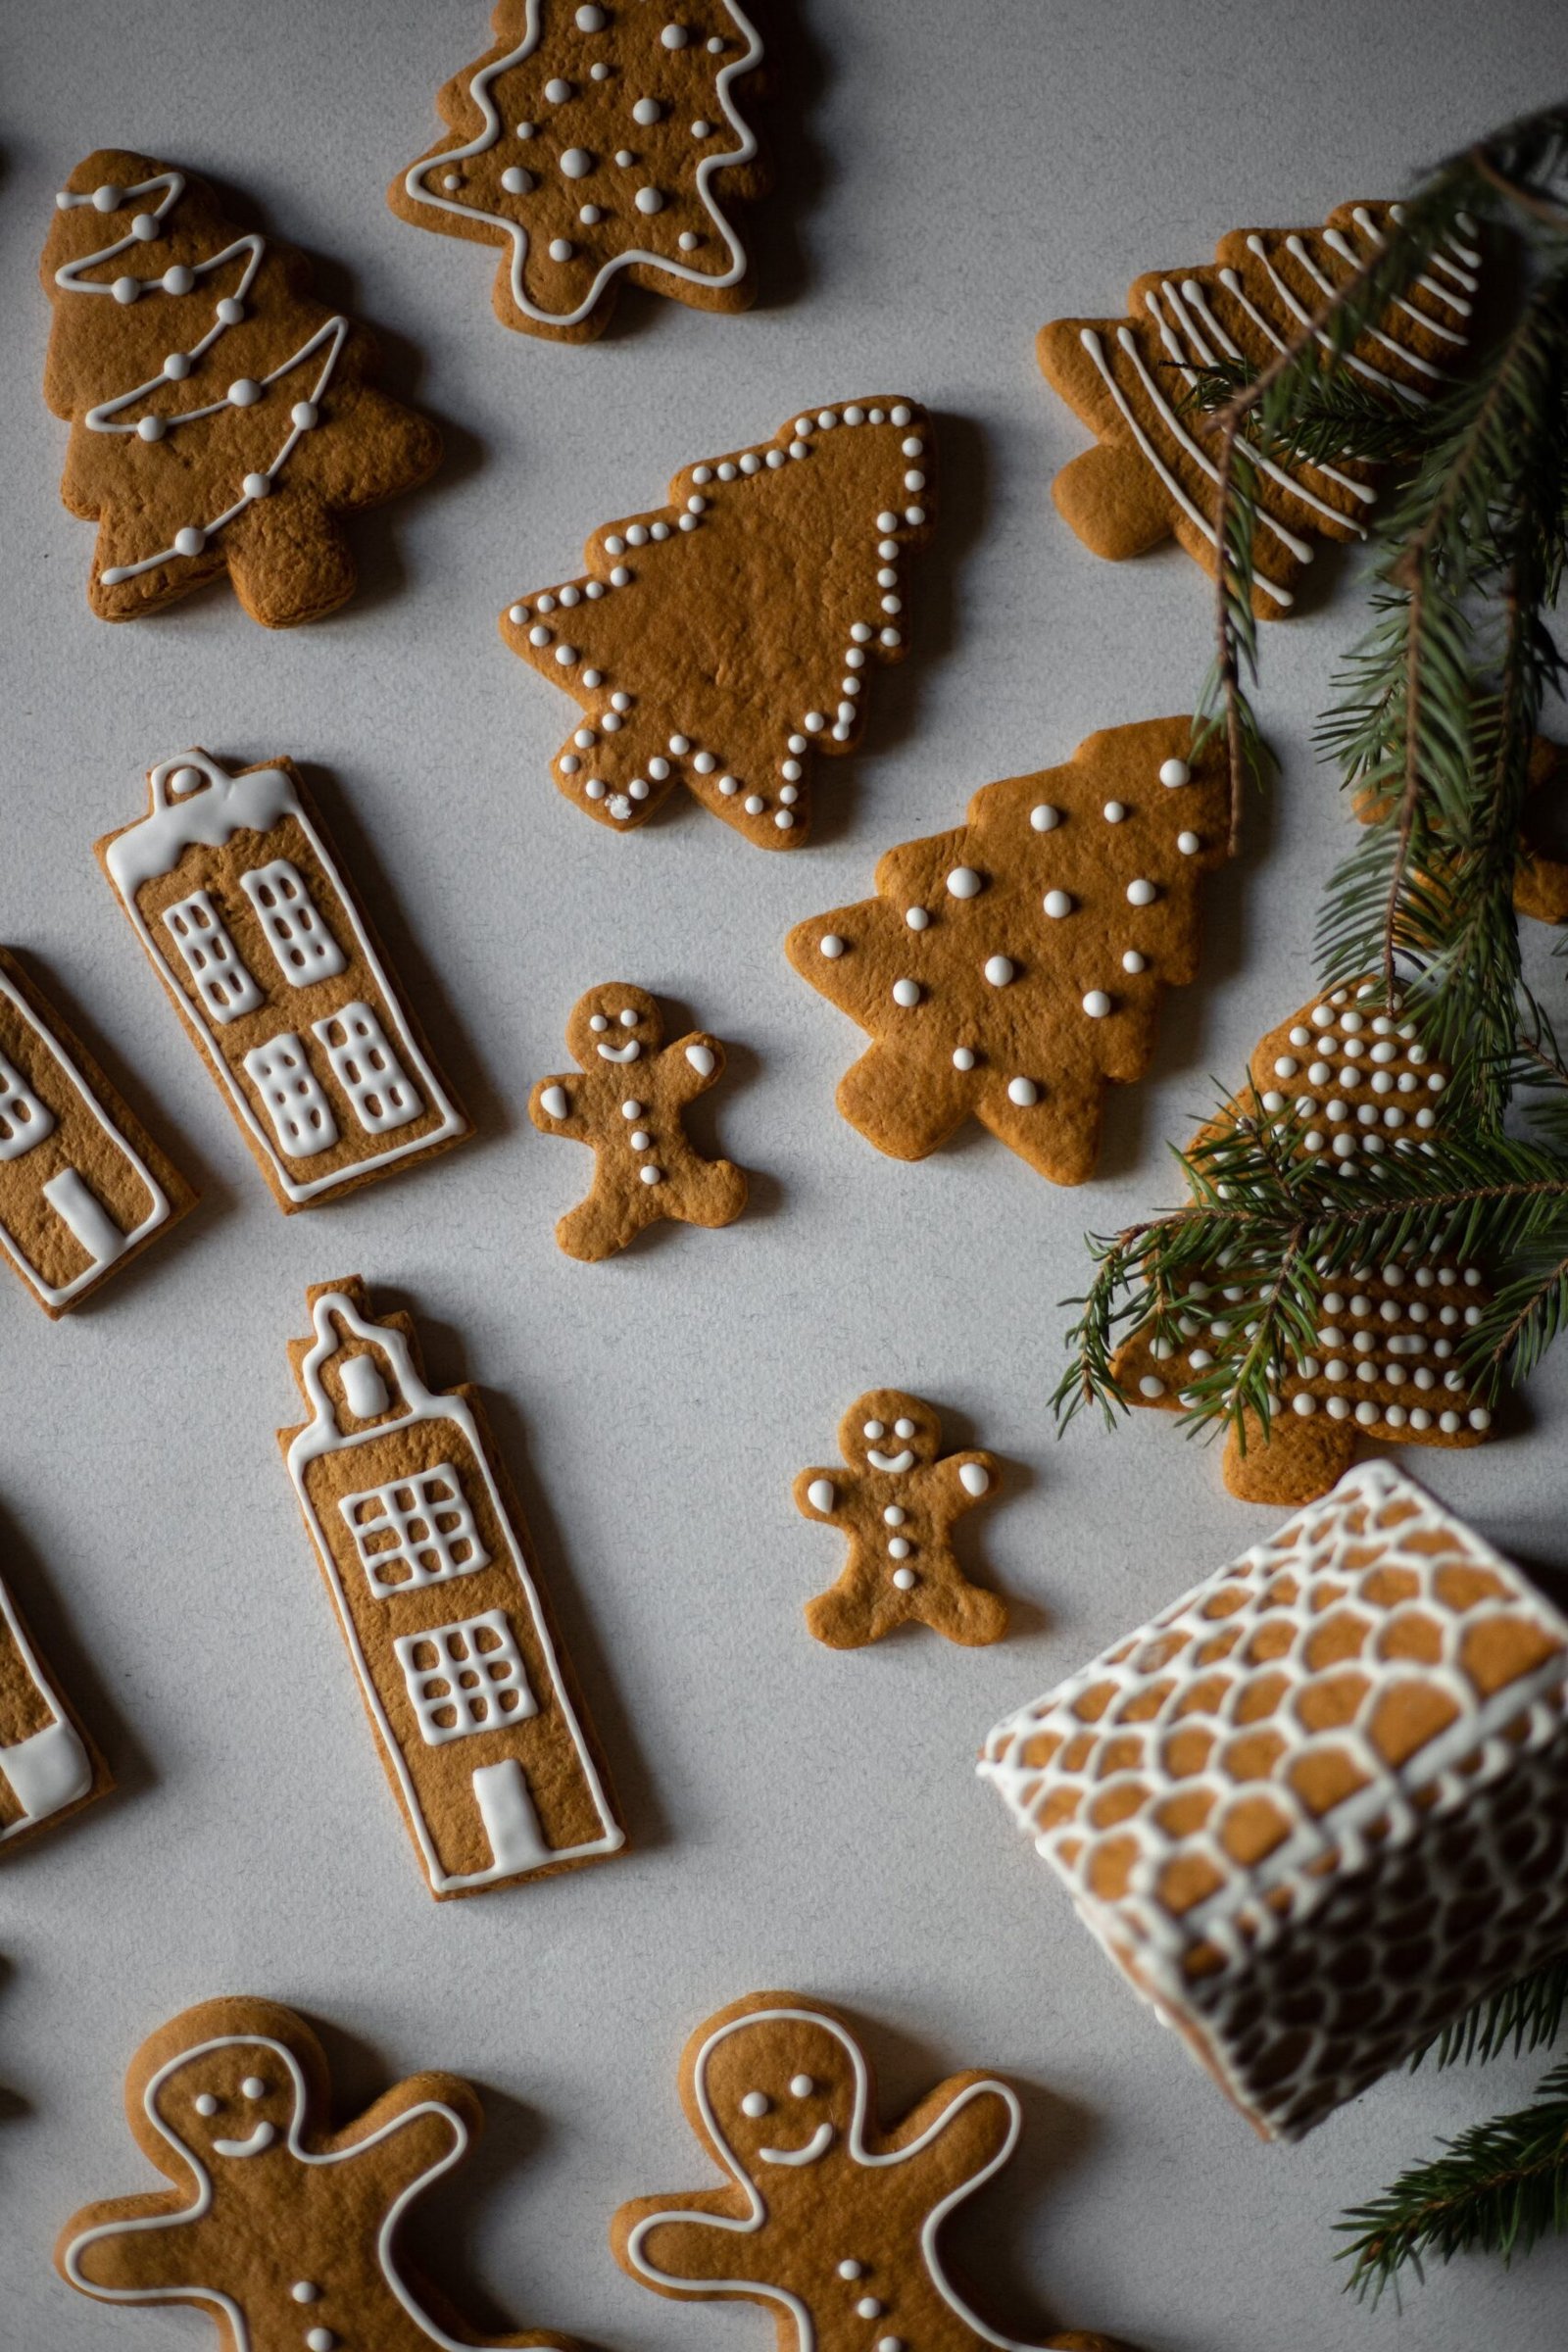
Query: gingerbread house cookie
(49, 1767)
(1319, 1805)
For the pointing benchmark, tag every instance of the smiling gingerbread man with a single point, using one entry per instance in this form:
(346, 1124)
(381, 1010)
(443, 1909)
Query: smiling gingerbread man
(896, 1501)
(627, 1101)
(822, 2218)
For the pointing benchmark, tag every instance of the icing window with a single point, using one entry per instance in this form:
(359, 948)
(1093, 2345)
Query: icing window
(415, 1531)
(304, 946)
(225, 986)
(24, 1119)
(464, 1677)
(367, 1070)
(301, 1115)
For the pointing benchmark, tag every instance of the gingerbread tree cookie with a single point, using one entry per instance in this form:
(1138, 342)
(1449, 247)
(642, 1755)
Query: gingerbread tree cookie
(1011, 968)
(1345, 1082)
(218, 415)
(285, 2231)
(598, 144)
(716, 641)
(626, 1100)
(1154, 474)
(896, 1501)
(823, 2218)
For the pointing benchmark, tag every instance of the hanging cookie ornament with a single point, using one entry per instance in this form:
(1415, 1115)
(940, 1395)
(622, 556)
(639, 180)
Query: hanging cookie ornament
(1012, 968)
(597, 145)
(718, 641)
(220, 417)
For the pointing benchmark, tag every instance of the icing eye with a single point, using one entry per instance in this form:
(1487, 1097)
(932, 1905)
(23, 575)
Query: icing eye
(874, 1430)
(206, 2104)
(599, 1022)
(631, 1017)
(755, 2102)
(903, 1428)
(254, 2087)
(801, 2087)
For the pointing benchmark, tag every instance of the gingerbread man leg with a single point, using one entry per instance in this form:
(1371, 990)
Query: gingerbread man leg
(705, 1192)
(860, 1608)
(965, 1613)
(611, 1217)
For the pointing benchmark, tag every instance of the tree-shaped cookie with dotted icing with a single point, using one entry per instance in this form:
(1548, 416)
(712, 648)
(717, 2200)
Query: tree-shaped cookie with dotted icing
(717, 641)
(895, 1497)
(627, 1100)
(597, 145)
(825, 2220)
(284, 2230)
(1153, 473)
(1011, 968)
(221, 419)
(1342, 1082)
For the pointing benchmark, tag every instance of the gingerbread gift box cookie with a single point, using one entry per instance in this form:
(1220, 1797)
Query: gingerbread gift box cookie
(626, 1100)
(825, 2219)
(285, 2231)
(1154, 471)
(49, 1766)
(426, 1559)
(84, 1188)
(1316, 1808)
(597, 146)
(1012, 967)
(221, 417)
(251, 924)
(719, 641)
(895, 1496)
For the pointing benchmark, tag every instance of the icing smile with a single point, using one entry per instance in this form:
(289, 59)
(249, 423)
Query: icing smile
(626, 1052)
(818, 2145)
(881, 1461)
(262, 2138)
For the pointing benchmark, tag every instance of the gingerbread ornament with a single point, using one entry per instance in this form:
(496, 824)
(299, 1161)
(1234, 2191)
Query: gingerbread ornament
(626, 1100)
(285, 2231)
(823, 2218)
(896, 1497)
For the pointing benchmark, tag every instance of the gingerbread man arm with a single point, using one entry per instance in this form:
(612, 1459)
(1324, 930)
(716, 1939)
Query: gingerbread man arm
(415, 2130)
(140, 2249)
(700, 2245)
(834, 1510)
(560, 1106)
(692, 1066)
(962, 1480)
(959, 2135)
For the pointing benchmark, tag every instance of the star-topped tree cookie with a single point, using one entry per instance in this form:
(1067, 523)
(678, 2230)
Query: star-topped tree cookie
(598, 144)
(221, 419)
(284, 2230)
(718, 641)
(825, 2219)
(1011, 968)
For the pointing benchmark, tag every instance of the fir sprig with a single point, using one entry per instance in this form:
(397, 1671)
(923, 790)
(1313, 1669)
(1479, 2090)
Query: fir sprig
(1522, 2017)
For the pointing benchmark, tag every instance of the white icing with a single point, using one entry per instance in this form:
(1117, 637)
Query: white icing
(820, 1494)
(702, 1060)
(973, 1477)
(50, 1768)
(895, 1462)
(434, 1661)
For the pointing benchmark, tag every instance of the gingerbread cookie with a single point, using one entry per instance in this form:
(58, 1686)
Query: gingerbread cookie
(256, 933)
(284, 2230)
(220, 417)
(597, 145)
(716, 642)
(823, 2218)
(49, 1767)
(626, 1100)
(427, 1557)
(1541, 877)
(1340, 1083)
(83, 1185)
(895, 1501)
(1008, 969)
(1155, 472)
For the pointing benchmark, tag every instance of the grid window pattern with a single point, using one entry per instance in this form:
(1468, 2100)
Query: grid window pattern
(225, 987)
(304, 946)
(300, 1114)
(413, 1531)
(464, 1677)
(24, 1119)
(367, 1070)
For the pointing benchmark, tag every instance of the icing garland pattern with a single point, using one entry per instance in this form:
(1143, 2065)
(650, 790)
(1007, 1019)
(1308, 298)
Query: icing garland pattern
(718, 640)
(1008, 969)
(1317, 1807)
(595, 143)
(168, 329)
(1154, 474)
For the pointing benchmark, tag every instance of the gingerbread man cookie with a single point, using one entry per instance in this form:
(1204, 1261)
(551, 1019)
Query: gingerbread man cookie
(285, 2231)
(626, 1100)
(823, 2217)
(897, 1501)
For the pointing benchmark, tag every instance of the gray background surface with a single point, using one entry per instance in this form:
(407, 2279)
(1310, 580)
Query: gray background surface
(951, 178)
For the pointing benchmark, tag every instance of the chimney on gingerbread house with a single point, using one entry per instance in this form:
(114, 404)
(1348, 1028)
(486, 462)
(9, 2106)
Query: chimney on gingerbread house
(256, 933)
(1318, 1806)
(428, 1562)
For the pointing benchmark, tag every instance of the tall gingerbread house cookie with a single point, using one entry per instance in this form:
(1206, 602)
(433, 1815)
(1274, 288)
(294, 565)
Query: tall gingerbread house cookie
(426, 1556)
(82, 1186)
(49, 1768)
(256, 933)
(1319, 1805)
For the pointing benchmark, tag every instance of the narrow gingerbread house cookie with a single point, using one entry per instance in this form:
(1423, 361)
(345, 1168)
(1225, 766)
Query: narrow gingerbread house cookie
(83, 1185)
(49, 1767)
(254, 929)
(425, 1552)
(1320, 1804)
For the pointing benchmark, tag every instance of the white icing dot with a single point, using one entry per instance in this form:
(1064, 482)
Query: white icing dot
(868, 2308)
(675, 36)
(566, 655)
(917, 918)
(688, 241)
(1023, 1091)
(178, 279)
(257, 485)
(577, 162)
(1285, 1066)
(1187, 844)
(589, 214)
(906, 992)
(176, 367)
(538, 634)
(305, 2290)
(963, 882)
(525, 130)
(304, 415)
(1044, 819)
(851, 2268)
(516, 180)
(1057, 902)
(905, 1580)
(963, 1058)
(1097, 1003)
(1140, 893)
(624, 158)
(899, 1548)
(127, 289)
(832, 946)
(230, 311)
(558, 91)
(108, 197)
(451, 181)
(998, 970)
(1133, 961)
(651, 1175)
(190, 541)
(1114, 811)
(702, 129)
(151, 428)
(755, 2103)
(1150, 1386)
(590, 17)
(561, 249)
(1304, 1404)
(1175, 772)
(244, 392)
(204, 2103)
(144, 229)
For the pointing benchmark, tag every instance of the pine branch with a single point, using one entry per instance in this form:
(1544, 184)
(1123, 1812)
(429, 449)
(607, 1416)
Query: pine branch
(1498, 2188)
(1528, 2015)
